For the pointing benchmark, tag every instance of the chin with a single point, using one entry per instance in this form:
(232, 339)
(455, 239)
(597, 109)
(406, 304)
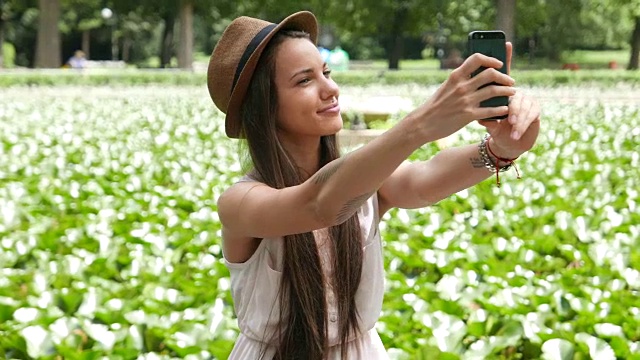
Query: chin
(337, 126)
(329, 126)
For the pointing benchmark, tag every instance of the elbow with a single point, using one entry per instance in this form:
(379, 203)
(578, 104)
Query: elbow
(427, 197)
(330, 210)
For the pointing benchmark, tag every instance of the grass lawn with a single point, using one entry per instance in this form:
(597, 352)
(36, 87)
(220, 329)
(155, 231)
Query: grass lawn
(587, 59)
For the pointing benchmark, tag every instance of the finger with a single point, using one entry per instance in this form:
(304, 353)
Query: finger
(533, 114)
(530, 126)
(515, 106)
(509, 56)
(489, 76)
(528, 115)
(489, 112)
(476, 61)
(536, 113)
(492, 91)
(521, 122)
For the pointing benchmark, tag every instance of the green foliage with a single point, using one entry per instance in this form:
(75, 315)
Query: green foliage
(81, 15)
(8, 55)
(101, 77)
(573, 24)
(536, 268)
(110, 240)
(104, 253)
(128, 77)
(363, 27)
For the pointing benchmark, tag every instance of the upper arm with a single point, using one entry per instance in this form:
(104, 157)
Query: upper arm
(400, 190)
(255, 210)
(415, 185)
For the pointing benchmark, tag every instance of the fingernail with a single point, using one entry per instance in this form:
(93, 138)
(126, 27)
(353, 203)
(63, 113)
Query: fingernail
(515, 135)
(512, 119)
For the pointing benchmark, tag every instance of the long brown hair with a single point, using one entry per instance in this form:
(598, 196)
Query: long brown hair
(303, 314)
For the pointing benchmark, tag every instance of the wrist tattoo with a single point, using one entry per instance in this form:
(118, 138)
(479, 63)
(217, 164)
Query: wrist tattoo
(477, 162)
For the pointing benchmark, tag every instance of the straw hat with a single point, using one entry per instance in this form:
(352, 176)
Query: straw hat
(236, 55)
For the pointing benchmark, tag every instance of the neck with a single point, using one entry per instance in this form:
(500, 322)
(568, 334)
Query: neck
(305, 152)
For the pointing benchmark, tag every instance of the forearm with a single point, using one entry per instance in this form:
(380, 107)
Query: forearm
(450, 171)
(343, 185)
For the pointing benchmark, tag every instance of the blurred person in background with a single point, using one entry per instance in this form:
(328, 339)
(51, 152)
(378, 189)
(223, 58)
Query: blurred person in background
(78, 60)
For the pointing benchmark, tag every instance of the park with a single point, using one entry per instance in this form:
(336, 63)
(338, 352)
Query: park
(110, 240)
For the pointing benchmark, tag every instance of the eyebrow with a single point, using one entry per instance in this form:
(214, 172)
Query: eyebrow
(306, 71)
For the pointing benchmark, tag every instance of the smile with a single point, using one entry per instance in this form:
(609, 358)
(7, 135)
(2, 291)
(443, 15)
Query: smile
(333, 109)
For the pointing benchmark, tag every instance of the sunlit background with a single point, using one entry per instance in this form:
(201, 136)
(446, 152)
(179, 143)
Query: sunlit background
(109, 174)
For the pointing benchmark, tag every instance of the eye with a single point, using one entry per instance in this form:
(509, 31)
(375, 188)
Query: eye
(304, 81)
(327, 73)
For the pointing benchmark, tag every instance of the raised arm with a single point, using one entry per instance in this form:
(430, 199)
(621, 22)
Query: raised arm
(337, 190)
(415, 185)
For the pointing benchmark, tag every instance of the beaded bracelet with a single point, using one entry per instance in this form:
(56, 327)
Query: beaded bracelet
(484, 150)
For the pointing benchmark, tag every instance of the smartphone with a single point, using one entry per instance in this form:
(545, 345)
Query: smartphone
(491, 43)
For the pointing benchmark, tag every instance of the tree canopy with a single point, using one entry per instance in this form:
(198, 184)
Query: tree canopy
(140, 31)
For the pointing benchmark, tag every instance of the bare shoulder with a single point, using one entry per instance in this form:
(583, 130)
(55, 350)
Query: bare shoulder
(231, 201)
(232, 198)
(237, 247)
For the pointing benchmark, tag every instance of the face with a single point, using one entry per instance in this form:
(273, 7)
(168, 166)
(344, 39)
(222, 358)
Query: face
(307, 96)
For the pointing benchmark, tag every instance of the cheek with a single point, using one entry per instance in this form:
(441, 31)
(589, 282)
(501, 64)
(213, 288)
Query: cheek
(284, 104)
(286, 115)
(295, 101)
(293, 105)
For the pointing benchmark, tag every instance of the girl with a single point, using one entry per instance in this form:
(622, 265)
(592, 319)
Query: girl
(300, 230)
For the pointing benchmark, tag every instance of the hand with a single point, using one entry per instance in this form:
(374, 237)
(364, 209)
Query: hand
(517, 134)
(457, 102)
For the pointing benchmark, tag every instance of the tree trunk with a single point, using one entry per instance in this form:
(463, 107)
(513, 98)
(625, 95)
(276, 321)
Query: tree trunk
(86, 43)
(185, 44)
(126, 49)
(635, 46)
(395, 43)
(166, 47)
(505, 18)
(395, 52)
(115, 47)
(48, 51)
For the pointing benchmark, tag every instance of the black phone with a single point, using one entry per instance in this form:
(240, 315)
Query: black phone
(491, 43)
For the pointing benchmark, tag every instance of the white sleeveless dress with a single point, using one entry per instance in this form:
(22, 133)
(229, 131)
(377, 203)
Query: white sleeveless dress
(255, 284)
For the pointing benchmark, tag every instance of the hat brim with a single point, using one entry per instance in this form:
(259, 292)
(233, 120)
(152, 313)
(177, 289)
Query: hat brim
(303, 20)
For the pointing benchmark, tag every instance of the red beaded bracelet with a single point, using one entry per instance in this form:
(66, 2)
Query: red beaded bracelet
(510, 162)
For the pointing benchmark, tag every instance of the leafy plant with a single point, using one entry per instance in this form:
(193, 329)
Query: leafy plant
(110, 240)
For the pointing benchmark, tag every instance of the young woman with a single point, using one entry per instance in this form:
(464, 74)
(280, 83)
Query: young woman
(300, 230)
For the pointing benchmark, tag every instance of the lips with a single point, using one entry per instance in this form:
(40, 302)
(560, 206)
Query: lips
(331, 109)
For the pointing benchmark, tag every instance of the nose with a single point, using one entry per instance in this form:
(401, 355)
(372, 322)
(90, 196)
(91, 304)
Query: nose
(330, 89)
